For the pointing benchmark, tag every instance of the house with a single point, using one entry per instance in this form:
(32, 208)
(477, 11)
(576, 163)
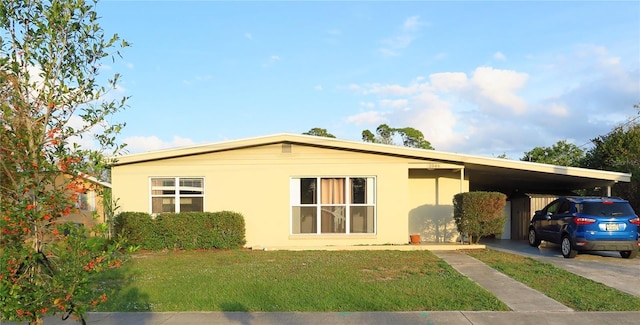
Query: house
(303, 191)
(89, 204)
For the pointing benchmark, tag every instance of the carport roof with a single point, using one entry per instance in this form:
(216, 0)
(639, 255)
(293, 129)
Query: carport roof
(484, 173)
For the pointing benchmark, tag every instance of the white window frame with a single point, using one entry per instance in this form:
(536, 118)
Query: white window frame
(90, 198)
(294, 201)
(176, 195)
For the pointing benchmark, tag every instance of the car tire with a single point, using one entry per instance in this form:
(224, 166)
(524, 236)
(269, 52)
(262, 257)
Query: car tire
(534, 241)
(629, 254)
(566, 246)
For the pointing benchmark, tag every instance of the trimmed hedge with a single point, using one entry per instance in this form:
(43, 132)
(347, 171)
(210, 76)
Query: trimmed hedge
(187, 230)
(479, 214)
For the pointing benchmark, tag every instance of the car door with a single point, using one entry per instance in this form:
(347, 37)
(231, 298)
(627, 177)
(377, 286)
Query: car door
(547, 222)
(558, 219)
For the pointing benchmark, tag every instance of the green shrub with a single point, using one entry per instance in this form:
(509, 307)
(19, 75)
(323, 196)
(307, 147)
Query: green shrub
(137, 228)
(187, 230)
(479, 214)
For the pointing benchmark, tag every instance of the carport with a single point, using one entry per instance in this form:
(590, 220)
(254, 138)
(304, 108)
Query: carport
(528, 186)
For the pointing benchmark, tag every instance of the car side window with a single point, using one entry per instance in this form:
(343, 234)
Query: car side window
(553, 208)
(565, 207)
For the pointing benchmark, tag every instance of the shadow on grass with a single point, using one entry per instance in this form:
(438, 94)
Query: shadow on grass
(236, 312)
(122, 296)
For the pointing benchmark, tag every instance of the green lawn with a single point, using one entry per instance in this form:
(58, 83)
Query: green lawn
(569, 289)
(242, 280)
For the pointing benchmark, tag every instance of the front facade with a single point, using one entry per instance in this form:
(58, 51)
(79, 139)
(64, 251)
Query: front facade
(302, 191)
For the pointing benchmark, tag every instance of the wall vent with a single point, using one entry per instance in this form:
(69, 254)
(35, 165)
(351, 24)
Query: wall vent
(286, 148)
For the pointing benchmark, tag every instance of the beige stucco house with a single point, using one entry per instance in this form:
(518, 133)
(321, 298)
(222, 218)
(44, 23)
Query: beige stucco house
(298, 190)
(89, 209)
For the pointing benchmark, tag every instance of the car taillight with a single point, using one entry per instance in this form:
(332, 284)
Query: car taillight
(583, 221)
(635, 221)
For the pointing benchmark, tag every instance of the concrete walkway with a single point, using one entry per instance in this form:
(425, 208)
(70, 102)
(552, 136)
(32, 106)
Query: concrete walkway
(514, 294)
(369, 318)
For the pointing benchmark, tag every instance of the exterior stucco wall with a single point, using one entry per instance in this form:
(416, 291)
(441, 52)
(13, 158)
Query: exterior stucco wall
(256, 183)
(431, 203)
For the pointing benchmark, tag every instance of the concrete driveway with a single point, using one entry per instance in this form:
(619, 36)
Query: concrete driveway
(604, 267)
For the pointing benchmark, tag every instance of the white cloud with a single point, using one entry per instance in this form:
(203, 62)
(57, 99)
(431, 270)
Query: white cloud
(447, 107)
(149, 143)
(248, 36)
(368, 105)
(412, 24)
(271, 61)
(394, 103)
(366, 118)
(391, 90)
(204, 77)
(387, 52)
(408, 32)
(434, 117)
(499, 56)
(440, 56)
(334, 31)
(354, 87)
(498, 87)
(558, 110)
(87, 141)
(449, 81)
(577, 94)
(318, 87)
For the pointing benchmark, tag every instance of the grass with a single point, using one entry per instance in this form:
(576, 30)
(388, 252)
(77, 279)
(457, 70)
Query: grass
(570, 289)
(242, 280)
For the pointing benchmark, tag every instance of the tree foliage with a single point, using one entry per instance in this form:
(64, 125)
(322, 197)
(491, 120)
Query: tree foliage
(319, 132)
(619, 151)
(50, 97)
(385, 134)
(562, 153)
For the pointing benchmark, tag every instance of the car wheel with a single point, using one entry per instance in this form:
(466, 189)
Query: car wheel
(629, 254)
(533, 238)
(567, 248)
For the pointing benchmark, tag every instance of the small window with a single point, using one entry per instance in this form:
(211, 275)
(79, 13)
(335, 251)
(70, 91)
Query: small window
(86, 201)
(177, 194)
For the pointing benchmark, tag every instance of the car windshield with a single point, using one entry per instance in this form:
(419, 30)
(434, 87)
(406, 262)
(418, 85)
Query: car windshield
(605, 208)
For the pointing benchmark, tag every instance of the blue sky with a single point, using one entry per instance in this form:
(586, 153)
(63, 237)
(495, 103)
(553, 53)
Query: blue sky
(476, 77)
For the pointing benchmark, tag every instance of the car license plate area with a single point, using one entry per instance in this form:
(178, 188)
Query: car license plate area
(611, 227)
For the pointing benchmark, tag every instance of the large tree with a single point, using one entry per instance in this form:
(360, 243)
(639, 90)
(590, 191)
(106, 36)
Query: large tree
(51, 95)
(562, 153)
(619, 151)
(385, 134)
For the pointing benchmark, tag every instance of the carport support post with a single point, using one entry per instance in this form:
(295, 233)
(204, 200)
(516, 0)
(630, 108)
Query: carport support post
(461, 179)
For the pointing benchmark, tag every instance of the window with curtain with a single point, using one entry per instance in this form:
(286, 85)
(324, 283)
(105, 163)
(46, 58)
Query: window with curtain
(177, 194)
(333, 205)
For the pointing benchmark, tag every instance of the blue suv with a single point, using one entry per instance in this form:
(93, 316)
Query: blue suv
(580, 223)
